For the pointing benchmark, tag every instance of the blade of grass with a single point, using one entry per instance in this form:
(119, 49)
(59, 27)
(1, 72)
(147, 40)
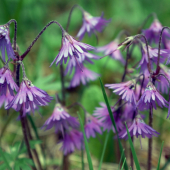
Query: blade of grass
(86, 144)
(113, 121)
(123, 164)
(4, 158)
(82, 157)
(133, 150)
(104, 148)
(160, 156)
(121, 159)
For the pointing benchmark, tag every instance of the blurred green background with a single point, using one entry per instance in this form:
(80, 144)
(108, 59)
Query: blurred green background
(32, 16)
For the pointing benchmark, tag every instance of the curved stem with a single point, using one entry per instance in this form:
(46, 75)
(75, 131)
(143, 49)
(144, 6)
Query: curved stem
(147, 48)
(164, 77)
(69, 18)
(15, 31)
(23, 68)
(159, 48)
(31, 45)
(153, 14)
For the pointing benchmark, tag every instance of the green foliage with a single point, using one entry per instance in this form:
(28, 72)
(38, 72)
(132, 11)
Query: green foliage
(160, 156)
(15, 158)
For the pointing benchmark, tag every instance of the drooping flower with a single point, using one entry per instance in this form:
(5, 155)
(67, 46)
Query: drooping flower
(152, 34)
(61, 120)
(29, 96)
(102, 114)
(71, 48)
(150, 97)
(138, 128)
(5, 43)
(109, 50)
(153, 52)
(7, 82)
(91, 24)
(92, 126)
(73, 139)
(86, 57)
(82, 77)
(125, 89)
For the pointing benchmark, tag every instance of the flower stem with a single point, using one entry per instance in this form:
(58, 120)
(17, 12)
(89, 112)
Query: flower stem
(15, 31)
(23, 120)
(150, 141)
(159, 48)
(34, 150)
(62, 84)
(131, 156)
(31, 45)
(69, 18)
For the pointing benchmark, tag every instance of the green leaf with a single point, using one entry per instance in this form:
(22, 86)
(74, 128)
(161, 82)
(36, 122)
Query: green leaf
(86, 144)
(104, 148)
(4, 159)
(113, 121)
(133, 150)
(160, 156)
(121, 159)
(123, 164)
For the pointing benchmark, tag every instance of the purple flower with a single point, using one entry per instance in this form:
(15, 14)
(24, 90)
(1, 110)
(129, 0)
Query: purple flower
(82, 77)
(86, 57)
(126, 90)
(7, 82)
(139, 128)
(150, 97)
(92, 126)
(103, 115)
(153, 56)
(72, 140)
(91, 24)
(152, 34)
(109, 50)
(71, 48)
(5, 43)
(29, 96)
(61, 120)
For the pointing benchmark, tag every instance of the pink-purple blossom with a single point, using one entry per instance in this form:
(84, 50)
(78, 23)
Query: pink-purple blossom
(5, 43)
(125, 89)
(72, 139)
(83, 76)
(91, 24)
(92, 126)
(29, 96)
(150, 97)
(7, 82)
(71, 48)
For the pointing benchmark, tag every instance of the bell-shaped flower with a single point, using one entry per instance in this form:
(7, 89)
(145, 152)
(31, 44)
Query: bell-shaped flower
(7, 82)
(71, 48)
(5, 43)
(150, 97)
(109, 49)
(72, 139)
(29, 96)
(61, 120)
(82, 76)
(125, 89)
(92, 126)
(91, 24)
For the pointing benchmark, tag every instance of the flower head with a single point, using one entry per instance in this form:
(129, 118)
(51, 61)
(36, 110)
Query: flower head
(61, 120)
(92, 126)
(71, 48)
(91, 24)
(29, 96)
(109, 50)
(150, 97)
(73, 139)
(102, 114)
(5, 43)
(82, 77)
(126, 90)
(138, 128)
(7, 82)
